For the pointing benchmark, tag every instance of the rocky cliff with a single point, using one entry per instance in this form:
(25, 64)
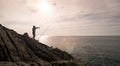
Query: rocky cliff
(18, 50)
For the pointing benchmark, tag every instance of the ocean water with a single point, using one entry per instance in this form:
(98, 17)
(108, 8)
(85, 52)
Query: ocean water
(90, 50)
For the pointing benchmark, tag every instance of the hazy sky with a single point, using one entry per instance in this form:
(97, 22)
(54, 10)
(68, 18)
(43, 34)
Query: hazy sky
(62, 17)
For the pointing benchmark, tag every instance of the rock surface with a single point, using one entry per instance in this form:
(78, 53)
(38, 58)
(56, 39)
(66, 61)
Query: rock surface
(21, 50)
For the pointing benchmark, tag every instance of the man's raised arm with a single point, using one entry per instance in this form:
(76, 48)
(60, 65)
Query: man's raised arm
(37, 27)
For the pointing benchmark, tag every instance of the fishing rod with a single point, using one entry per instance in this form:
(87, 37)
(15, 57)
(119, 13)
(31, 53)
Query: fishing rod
(44, 31)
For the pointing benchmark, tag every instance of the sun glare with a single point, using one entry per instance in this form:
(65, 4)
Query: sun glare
(44, 7)
(43, 39)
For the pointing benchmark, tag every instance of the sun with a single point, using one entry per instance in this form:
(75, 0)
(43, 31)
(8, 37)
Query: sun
(44, 7)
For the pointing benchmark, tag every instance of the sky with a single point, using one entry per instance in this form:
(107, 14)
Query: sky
(62, 17)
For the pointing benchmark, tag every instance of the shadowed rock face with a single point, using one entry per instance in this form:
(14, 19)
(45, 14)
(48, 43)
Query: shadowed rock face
(17, 48)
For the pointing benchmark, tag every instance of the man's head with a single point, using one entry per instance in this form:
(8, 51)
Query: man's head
(33, 26)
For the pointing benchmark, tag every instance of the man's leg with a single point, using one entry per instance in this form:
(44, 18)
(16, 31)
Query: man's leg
(34, 35)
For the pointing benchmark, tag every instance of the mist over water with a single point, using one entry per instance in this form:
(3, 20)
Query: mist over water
(93, 50)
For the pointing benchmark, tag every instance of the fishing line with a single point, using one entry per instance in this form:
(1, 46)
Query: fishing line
(44, 31)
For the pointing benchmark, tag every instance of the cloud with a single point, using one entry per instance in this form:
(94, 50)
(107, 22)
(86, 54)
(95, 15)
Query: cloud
(1, 16)
(78, 17)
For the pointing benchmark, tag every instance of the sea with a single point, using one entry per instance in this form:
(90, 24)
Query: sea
(90, 50)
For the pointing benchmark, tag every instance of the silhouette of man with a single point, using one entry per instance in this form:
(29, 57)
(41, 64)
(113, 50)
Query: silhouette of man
(34, 31)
